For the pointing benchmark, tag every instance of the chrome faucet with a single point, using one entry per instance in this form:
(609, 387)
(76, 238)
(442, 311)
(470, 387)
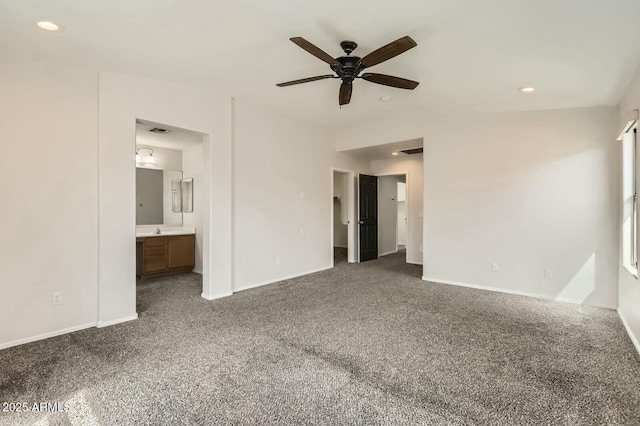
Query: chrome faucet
(158, 232)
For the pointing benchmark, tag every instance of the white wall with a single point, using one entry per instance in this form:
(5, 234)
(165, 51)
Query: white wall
(122, 100)
(530, 191)
(628, 286)
(169, 217)
(166, 158)
(387, 214)
(276, 159)
(48, 166)
(413, 167)
(402, 213)
(192, 164)
(339, 230)
(340, 208)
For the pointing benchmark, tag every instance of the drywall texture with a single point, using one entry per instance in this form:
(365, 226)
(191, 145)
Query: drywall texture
(412, 166)
(166, 158)
(628, 285)
(48, 166)
(192, 164)
(340, 210)
(529, 191)
(339, 230)
(402, 213)
(387, 214)
(282, 196)
(169, 217)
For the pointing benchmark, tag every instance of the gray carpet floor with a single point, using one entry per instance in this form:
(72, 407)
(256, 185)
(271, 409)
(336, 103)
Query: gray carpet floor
(367, 344)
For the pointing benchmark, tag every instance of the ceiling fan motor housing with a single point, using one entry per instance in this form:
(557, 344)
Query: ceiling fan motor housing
(347, 68)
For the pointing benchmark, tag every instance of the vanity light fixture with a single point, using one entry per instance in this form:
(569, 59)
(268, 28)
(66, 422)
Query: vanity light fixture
(149, 160)
(394, 153)
(527, 89)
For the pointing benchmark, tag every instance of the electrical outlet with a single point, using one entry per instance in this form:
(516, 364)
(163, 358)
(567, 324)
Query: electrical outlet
(548, 273)
(277, 260)
(302, 232)
(301, 195)
(57, 298)
(495, 267)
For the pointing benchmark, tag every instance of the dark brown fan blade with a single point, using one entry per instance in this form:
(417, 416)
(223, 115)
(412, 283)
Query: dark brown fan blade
(305, 80)
(345, 93)
(389, 80)
(388, 51)
(314, 50)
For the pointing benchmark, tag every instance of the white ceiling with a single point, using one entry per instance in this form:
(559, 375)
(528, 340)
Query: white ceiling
(176, 138)
(471, 55)
(384, 152)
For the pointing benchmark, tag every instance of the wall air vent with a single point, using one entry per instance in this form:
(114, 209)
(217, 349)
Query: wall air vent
(413, 151)
(158, 130)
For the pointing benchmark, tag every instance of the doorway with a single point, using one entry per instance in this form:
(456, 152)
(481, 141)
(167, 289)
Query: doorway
(170, 204)
(392, 216)
(343, 234)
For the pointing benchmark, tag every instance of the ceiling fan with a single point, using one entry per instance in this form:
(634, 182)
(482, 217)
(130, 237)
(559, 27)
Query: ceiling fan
(348, 68)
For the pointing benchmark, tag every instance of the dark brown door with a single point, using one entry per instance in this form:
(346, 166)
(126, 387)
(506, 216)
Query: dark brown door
(368, 218)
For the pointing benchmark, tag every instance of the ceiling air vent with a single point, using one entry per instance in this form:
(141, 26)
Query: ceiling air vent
(413, 151)
(158, 130)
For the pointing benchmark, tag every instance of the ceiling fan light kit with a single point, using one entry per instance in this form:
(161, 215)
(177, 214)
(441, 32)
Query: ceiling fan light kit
(348, 68)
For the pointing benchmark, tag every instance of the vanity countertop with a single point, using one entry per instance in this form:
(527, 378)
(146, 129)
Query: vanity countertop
(164, 231)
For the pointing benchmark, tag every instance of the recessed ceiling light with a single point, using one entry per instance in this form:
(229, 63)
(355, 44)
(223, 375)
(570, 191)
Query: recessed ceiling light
(394, 153)
(48, 25)
(385, 99)
(527, 89)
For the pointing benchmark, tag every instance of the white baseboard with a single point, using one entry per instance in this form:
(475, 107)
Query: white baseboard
(46, 335)
(632, 336)
(217, 296)
(250, 286)
(415, 263)
(196, 271)
(387, 253)
(516, 292)
(117, 321)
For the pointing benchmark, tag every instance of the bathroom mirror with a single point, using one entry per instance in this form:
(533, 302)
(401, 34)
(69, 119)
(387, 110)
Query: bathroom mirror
(187, 195)
(182, 195)
(157, 196)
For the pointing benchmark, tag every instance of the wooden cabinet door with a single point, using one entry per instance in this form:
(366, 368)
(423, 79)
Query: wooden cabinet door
(181, 252)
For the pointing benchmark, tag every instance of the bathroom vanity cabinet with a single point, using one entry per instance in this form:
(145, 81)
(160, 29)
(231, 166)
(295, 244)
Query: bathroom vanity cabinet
(165, 255)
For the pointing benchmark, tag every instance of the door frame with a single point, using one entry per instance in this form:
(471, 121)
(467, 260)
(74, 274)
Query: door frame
(406, 206)
(206, 185)
(352, 237)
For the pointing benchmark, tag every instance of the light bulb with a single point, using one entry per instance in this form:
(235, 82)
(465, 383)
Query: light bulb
(48, 25)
